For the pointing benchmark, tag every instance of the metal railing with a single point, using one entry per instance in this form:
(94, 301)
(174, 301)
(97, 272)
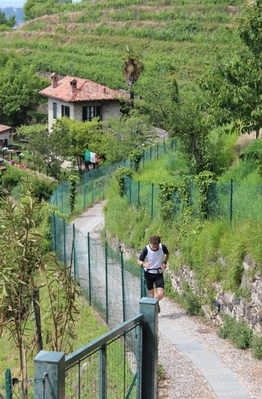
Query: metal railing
(122, 364)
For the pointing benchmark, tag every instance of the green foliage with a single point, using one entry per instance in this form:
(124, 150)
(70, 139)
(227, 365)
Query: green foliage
(136, 156)
(190, 301)
(161, 374)
(238, 333)
(41, 189)
(120, 175)
(252, 157)
(6, 22)
(203, 181)
(124, 136)
(235, 86)
(257, 347)
(73, 180)
(165, 199)
(173, 39)
(20, 242)
(62, 312)
(19, 91)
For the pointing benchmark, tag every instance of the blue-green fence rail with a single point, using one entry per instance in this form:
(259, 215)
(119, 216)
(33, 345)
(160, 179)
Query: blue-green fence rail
(122, 364)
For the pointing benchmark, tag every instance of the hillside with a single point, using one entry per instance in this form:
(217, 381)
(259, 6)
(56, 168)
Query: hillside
(88, 39)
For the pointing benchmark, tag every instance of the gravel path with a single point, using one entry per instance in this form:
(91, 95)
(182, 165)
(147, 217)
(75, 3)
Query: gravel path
(184, 381)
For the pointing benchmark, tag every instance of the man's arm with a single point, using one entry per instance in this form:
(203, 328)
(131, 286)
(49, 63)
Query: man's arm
(142, 257)
(166, 256)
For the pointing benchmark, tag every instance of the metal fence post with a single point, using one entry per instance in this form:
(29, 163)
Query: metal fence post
(76, 271)
(8, 384)
(64, 232)
(92, 181)
(85, 184)
(49, 375)
(102, 372)
(152, 200)
(130, 191)
(231, 201)
(106, 277)
(123, 286)
(148, 307)
(89, 269)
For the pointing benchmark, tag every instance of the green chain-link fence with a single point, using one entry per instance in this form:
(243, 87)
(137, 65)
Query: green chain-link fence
(92, 184)
(231, 201)
(112, 285)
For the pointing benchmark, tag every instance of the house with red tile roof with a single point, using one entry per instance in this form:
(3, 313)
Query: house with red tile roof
(80, 99)
(6, 135)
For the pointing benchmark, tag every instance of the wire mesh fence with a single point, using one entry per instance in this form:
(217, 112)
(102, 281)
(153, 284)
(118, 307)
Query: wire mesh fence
(16, 388)
(121, 359)
(234, 201)
(231, 201)
(92, 184)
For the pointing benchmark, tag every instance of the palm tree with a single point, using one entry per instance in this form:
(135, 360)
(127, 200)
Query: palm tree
(132, 68)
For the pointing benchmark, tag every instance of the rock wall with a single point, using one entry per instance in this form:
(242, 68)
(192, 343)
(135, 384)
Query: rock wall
(242, 308)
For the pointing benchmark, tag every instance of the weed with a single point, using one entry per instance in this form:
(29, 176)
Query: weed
(257, 347)
(239, 333)
(161, 374)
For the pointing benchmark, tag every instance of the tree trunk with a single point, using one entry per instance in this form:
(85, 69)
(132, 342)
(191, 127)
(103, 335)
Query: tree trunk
(38, 332)
(132, 96)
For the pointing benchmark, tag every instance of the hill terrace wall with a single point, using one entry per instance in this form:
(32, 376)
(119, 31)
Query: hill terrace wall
(239, 307)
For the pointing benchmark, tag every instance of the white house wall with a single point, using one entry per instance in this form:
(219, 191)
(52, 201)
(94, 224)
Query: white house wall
(6, 136)
(108, 109)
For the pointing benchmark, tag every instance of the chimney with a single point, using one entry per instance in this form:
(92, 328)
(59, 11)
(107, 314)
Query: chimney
(54, 78)
(73, 84)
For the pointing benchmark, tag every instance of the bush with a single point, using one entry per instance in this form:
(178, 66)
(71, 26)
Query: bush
(190, 301)
(257, 347)
(239, 333)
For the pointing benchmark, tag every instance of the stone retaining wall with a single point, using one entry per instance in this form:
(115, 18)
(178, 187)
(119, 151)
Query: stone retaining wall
(239, 307)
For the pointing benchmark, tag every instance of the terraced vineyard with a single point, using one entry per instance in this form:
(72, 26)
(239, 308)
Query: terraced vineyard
(88, 39)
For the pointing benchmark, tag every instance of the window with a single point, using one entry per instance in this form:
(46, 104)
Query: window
(91, 112)
(54, 110)
(65, 111)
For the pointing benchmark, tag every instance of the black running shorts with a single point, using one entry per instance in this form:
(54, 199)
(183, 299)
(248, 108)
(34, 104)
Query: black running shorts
(152, 279)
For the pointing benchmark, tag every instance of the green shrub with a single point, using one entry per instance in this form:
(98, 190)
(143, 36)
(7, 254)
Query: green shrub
(190, 301)
(120, 176)
(192, 304)
(257, 347)
(239, 333)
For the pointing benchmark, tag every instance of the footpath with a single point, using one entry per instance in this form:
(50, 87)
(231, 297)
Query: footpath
(196, 363)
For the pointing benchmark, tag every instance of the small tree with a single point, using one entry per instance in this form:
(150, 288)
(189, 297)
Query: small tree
(132, 68)
(73, 191)
(20, 243)
(21, 259)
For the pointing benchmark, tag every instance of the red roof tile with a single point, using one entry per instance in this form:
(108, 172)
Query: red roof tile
(3, 128)
(86, 90)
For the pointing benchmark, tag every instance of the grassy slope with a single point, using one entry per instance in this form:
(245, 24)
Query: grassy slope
(89, 40)
(201, 248)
